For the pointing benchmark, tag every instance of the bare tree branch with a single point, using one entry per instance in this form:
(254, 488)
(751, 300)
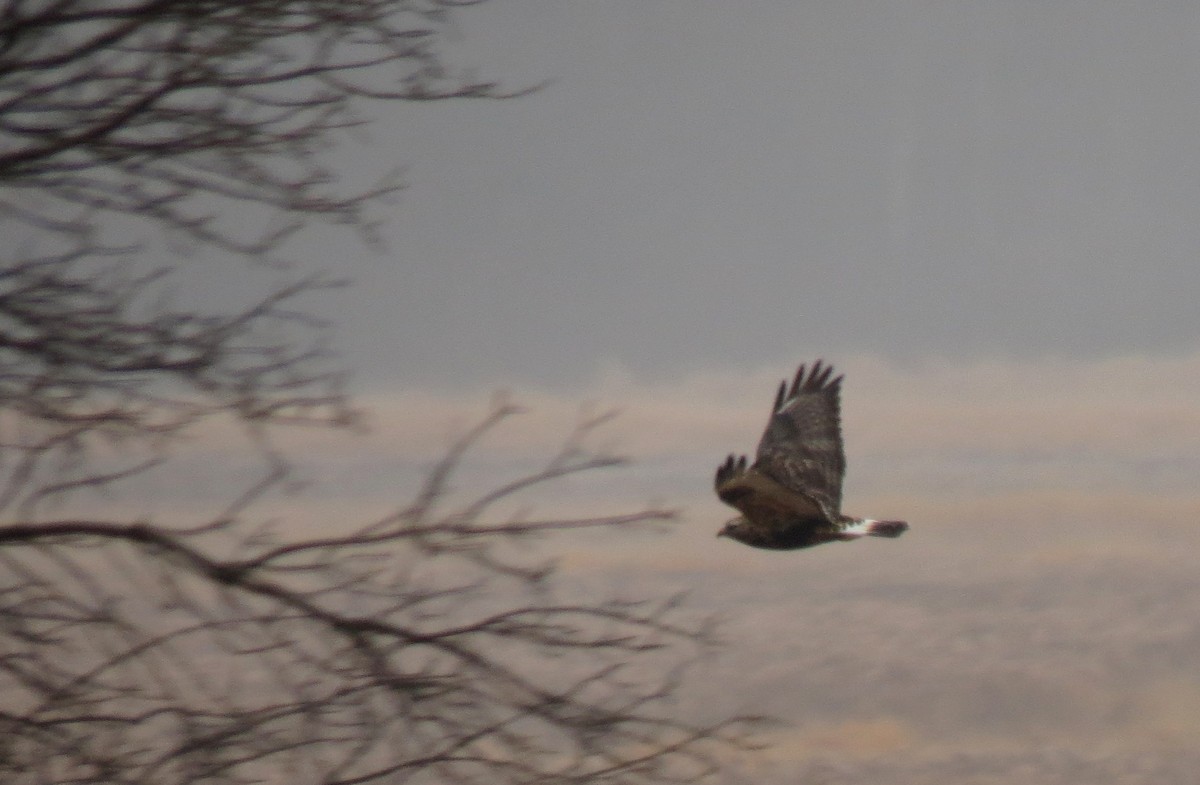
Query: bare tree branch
(148, 107)
(429, 645)
(488, 676)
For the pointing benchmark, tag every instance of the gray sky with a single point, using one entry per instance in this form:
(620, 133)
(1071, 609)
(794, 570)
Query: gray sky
(717, 185)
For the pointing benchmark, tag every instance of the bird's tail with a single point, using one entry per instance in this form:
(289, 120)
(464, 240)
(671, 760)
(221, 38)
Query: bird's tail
(887, 528)
(866, 527)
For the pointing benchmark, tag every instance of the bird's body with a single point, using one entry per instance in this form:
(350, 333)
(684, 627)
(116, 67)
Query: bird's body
(791, 496)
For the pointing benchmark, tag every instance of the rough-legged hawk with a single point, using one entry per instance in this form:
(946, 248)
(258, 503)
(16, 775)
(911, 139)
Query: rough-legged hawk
(791, 496)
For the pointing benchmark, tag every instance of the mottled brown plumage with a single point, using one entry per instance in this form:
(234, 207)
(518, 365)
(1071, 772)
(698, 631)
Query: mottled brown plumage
(791, 496)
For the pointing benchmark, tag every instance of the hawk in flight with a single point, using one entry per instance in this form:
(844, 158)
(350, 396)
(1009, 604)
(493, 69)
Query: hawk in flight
(791, 496)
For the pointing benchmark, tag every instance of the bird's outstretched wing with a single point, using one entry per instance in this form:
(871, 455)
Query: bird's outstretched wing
(801, 448)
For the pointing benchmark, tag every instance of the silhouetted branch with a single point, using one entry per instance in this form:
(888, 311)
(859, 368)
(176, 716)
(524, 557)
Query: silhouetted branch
(147, 108)
(478, 668)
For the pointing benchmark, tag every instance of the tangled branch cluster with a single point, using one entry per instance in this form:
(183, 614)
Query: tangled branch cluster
(425, 646)
(154, 108)
(411, 649)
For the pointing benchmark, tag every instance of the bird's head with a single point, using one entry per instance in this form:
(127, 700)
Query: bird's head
(733, 528)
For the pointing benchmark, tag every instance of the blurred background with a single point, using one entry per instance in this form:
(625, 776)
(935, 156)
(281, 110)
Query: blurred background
(984, 214)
